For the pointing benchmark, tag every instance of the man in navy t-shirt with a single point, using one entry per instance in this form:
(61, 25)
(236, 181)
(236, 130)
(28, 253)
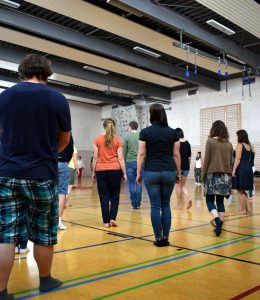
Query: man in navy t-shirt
(34, 126)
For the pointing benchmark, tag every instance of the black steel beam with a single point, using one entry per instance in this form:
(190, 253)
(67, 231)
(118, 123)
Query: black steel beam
(176, 21)
(74, 70)
(88, 94)
(74, 38)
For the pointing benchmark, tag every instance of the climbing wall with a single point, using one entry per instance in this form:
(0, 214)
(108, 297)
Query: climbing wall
(123, 116)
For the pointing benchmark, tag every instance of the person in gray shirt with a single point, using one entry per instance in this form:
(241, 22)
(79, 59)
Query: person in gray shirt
(130, 148)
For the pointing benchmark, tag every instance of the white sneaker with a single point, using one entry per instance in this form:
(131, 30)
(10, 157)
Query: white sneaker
(23, 251)
(18, 250)
(230, 200)
(61, 226)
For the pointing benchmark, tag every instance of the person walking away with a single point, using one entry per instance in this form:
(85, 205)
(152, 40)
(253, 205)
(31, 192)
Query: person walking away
(242, 171)
(181, 187)
(216, 173)
(63, 169)
(109, 169)
(81, 167)
(35, 125)
(159, 152)
(130, 150)
(73, 170)
(198, 168)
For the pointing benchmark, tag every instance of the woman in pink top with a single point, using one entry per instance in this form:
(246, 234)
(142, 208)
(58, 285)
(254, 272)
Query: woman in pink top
(109, 169)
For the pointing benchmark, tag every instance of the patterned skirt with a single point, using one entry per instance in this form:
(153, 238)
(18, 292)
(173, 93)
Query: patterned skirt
(218, 184)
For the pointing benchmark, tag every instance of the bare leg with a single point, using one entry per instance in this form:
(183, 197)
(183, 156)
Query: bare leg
(221, 216)
(178, 195)
(242, 200)
(62, 200)
(186, 191)
(6, 263)
(43, 256)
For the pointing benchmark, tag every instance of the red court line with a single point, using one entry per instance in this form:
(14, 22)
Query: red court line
(243, 295)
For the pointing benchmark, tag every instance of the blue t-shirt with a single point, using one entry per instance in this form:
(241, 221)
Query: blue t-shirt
(159, 147)
(31, 116)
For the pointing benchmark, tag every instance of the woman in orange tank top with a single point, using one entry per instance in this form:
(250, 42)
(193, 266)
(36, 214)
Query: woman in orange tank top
(109, 169)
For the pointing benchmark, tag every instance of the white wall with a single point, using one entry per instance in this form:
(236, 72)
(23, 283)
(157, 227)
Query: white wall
(185, 111)
(86, 124)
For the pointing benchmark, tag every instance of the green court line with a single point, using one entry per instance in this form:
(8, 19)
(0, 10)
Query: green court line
(131, 265)
(170, 276)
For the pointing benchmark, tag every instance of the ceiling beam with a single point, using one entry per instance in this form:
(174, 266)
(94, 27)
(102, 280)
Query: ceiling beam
(74, 70)
(86, 94)
(74, 38)
(193, 29)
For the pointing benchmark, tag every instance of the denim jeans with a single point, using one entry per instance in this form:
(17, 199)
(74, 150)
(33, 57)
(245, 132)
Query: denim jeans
(134, 188)
(198, 175)
(108, 184)
(159, 186)
(210, 200)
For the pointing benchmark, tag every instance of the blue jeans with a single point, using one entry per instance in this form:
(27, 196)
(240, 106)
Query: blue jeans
(134, 188)
(63, 170)
(159, 186)
(108, 184)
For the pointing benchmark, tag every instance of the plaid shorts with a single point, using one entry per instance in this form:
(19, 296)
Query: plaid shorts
(28, 210)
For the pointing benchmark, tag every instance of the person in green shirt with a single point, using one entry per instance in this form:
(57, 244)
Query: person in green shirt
(130, 148)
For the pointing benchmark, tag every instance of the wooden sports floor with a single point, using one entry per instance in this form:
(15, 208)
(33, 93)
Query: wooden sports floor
(122, 263)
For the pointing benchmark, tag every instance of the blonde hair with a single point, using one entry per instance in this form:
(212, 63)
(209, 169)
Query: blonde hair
(109, 126)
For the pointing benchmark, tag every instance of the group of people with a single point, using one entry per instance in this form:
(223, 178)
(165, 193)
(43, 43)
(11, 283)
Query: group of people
(161, 158)
(34, 171)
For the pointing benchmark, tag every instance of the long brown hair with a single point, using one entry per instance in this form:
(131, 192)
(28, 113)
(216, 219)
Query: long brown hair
(242, 137)
(220, 131)
(158, 114)
(110, 128)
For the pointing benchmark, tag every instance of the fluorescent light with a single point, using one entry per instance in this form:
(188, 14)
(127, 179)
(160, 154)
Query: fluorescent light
(10, 3)
(100, 71)
(236, 59)
(147, 52)
(125, 7)
(220, 27)
(58, 82)
(7, 84)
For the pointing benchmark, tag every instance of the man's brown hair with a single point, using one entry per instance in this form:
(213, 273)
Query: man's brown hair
(35, 65)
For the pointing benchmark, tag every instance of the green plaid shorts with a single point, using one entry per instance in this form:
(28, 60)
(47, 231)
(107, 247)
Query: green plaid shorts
(28, 210)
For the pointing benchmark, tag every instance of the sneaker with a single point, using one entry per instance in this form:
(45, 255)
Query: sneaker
(61, 226)
(23, 251)
(106, 224)
(230, 200)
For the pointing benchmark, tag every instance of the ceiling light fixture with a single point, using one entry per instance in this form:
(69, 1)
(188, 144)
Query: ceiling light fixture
(10, 3)
(59, 82)
(236, 59)
(220, 27)
(147, 52)
(125, 7)
(100, 71)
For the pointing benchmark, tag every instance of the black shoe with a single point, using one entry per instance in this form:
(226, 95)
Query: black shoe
(159, 243)
(219, 225)
(165, 242)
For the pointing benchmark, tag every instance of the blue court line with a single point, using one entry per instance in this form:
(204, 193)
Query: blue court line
(129, 271)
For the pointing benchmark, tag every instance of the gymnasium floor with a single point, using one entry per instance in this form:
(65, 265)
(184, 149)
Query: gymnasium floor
(122, 263)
